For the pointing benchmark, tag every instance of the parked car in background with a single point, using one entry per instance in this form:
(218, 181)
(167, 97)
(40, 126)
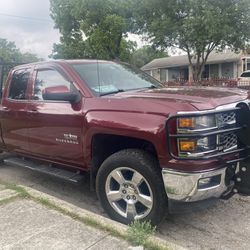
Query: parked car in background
(244, 79)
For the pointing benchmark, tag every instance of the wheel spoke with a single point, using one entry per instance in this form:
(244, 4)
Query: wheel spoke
(145, 200)
(131, 211)
(117, 175)
(129, 193)
(137, 179)
(114, 195)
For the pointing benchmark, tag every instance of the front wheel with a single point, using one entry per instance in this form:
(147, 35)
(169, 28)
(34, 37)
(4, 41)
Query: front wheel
(129, 186)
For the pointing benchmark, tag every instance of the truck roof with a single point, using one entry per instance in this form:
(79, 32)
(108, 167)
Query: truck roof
(60, 61)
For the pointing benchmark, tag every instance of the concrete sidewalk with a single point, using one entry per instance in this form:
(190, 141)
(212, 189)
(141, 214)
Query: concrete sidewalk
(26, 224)
(30, 219)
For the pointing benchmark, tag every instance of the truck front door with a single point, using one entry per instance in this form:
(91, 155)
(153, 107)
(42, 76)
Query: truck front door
(55, 127)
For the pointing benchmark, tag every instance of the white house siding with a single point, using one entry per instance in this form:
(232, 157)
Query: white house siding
(163, 75)
(222, 64)
(156, 74)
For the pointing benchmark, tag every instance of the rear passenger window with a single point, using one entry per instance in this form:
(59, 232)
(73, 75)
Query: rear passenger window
(19, 84)
(48, 78)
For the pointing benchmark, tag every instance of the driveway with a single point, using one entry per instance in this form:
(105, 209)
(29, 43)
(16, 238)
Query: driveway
(226, 225)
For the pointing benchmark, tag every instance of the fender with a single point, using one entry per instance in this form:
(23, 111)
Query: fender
(149, 127)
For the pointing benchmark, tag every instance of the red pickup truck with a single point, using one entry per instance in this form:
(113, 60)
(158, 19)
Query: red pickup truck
(147, 148)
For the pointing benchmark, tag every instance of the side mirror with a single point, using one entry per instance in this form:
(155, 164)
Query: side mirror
(61, 93)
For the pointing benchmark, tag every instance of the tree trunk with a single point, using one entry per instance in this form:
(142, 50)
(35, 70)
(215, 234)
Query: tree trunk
(198, 71)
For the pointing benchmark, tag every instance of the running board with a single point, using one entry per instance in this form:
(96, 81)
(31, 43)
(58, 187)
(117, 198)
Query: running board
(45, 169)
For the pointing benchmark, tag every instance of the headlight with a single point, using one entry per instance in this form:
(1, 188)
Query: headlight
(198, 123)
(190, 146)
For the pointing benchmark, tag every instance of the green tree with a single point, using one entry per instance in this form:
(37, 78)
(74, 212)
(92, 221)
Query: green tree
(146, 54)
(195, 26)
(92, 28)
(8, 52)
(10, 56)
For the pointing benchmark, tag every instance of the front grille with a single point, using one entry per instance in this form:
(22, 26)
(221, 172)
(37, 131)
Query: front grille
(225, 119)
(228, 141)
(212, 141)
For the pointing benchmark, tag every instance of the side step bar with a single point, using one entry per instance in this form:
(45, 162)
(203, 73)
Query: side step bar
(74, 177)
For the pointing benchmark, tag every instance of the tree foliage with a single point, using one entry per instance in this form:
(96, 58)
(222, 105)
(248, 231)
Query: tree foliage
(146, 54)
(92, 29)
(10, 54)
(196, 26)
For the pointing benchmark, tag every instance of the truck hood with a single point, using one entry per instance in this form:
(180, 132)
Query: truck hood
(201, 98)
(165, 101)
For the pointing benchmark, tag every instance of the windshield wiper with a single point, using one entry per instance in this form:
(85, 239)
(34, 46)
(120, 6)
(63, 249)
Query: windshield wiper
(112, 92)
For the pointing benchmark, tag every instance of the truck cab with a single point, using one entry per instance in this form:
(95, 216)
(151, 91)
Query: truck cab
(147, 147)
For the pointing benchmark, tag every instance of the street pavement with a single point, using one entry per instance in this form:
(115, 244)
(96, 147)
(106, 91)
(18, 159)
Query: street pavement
(225, 225)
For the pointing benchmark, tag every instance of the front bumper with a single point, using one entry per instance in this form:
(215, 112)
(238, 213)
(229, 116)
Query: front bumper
(190, 187)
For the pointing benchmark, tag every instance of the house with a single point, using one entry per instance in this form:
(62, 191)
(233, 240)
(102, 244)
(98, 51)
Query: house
(219, 65)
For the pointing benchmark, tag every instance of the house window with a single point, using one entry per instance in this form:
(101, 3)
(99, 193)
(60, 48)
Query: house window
(205, 73)
(214, 70)
(227, 70)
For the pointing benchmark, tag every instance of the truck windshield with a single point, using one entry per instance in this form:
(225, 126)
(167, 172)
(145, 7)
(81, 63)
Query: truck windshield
(105, 78)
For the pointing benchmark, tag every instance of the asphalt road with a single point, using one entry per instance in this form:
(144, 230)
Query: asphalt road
(226, 225)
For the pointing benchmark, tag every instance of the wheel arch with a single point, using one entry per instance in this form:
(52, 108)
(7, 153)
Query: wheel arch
(104, 145)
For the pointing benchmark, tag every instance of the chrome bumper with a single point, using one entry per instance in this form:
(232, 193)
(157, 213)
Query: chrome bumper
(189, 187)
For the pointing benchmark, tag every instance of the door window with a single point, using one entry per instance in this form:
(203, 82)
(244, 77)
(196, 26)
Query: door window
(48, 78)
(19, 84)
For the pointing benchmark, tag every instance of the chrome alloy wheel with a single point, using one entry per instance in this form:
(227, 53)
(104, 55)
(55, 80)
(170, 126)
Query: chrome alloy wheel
(129, 193)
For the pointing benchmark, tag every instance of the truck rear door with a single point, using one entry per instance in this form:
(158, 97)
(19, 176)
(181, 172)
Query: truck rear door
(14, 111)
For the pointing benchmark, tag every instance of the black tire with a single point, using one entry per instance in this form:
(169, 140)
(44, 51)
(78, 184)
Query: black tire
(147, 166)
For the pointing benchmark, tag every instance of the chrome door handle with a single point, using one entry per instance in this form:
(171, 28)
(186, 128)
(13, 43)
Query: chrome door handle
(5, 108)
(32, 111)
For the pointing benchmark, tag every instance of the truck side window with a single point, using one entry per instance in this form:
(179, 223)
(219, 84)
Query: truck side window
(19, 84)
(48, 78)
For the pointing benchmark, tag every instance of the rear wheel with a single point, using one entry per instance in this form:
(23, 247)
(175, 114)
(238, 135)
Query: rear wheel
(130, 186)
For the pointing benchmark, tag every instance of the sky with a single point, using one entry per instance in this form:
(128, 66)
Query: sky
(28, 24)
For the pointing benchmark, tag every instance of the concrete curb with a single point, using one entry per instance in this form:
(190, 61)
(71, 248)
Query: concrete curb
(105, 222)
(6, 194)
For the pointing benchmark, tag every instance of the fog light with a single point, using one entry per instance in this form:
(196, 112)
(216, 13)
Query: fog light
(187, 145)
(209, 182)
